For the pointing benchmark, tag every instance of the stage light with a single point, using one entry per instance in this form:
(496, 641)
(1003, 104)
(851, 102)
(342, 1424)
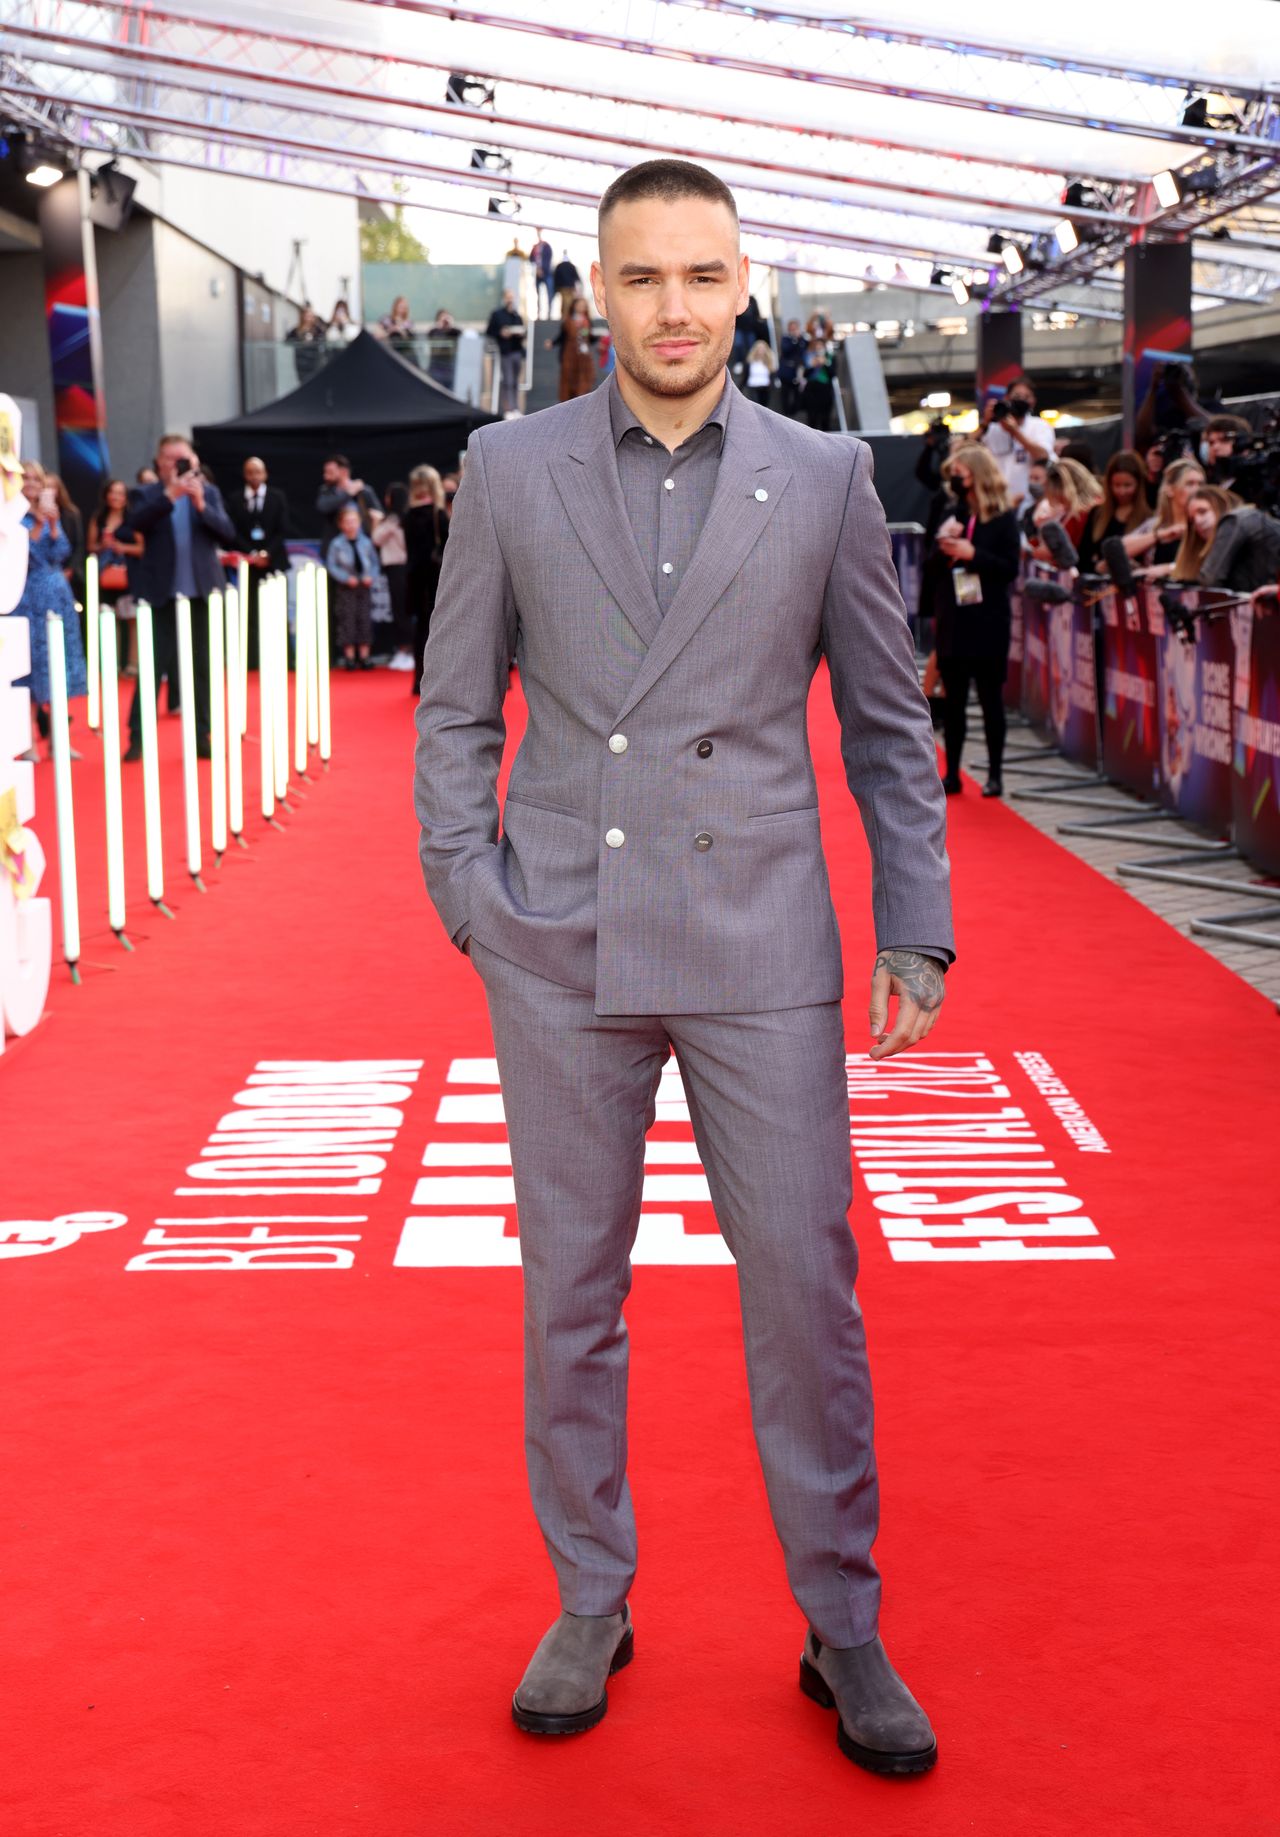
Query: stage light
(959, 290)
(940, 398)
(462, 91)
(504, 207)
(1011, 255)
(1065, 232)
(1167, 189)
(44, 176)
(995, 242)
(938, 278)
(484, 160)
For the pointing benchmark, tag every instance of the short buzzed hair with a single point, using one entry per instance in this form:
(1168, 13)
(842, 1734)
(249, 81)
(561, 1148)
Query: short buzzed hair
(668, 180)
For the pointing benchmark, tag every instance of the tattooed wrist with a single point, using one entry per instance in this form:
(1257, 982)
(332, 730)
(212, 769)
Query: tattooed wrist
(919, 976)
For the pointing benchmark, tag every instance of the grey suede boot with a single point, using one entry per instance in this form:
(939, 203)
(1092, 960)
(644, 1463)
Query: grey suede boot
(880, 1726)
(563, 1690)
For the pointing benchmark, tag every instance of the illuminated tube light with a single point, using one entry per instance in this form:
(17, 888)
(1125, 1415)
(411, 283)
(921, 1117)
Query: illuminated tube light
(301, 672)
(217, 730)
(313, 661)
(111, 776)
(266, 698)
(242, 602)
(44, 176)
(235, 722)
(1011, 255)
(190, 776)
(1167, 189)
(280, 686)
(60, 735)
(1065, 232)
(92, 661)
(322, 654)
(960, 291)
(150, 756)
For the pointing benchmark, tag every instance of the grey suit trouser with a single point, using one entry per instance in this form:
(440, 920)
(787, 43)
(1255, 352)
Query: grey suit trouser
(767, 1100)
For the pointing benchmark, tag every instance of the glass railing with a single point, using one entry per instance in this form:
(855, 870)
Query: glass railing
(272, 369)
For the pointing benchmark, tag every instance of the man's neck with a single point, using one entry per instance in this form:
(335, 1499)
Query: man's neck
(669, 418)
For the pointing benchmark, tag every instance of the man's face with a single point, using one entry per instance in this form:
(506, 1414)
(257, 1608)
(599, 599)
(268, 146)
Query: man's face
(255, 473)
(169, 455)
(1020, 393)
(1219, 445)
(334, 474)
(671, 281)
(509, 300)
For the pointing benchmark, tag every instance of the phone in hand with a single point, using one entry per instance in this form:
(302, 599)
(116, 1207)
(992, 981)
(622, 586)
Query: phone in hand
(48, 501)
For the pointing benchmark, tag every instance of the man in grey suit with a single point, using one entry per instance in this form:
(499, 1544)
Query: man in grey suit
(668, 563)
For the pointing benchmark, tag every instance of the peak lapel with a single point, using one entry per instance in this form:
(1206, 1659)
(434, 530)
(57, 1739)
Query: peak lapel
(586, 476)
(735, 523)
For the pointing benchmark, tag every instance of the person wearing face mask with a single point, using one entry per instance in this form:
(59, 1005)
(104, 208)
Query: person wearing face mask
(1015, 436)
(1228, 544)
(981, 551)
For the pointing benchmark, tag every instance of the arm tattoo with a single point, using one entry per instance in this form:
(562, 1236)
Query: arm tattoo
(920, 977)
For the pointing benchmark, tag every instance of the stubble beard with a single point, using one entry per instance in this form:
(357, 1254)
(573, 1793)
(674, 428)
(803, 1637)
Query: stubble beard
(668, 379)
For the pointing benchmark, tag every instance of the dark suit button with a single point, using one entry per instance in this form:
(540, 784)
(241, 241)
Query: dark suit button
(702, 841)
(705, 749)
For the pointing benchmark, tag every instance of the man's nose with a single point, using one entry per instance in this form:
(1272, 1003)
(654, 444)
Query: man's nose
(673, 305)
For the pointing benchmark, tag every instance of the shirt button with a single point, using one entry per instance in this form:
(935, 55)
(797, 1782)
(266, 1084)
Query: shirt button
(762, 496)
(617, 743)
(648, 439)
(705, 749)
(614, 838)
(702, 841)
(668, 567)
(668, 484)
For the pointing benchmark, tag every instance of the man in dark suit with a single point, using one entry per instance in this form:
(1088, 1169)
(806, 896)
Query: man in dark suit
(183, 522)
(337, 491)
(260, 513)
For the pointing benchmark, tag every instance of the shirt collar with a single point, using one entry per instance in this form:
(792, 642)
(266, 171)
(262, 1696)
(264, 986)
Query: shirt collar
(622, 419)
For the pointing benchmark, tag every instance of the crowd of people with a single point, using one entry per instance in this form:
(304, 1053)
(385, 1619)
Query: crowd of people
(1012, 493)
(173, 533)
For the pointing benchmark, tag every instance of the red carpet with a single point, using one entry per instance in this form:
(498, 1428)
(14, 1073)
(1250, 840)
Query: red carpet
(271, 1568)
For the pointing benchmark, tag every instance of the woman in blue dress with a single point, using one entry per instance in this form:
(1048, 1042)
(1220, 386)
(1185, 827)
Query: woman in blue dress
(47, 590)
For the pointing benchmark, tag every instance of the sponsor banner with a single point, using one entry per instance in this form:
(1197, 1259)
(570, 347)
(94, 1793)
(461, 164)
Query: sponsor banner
(1073, 688)
(1194, 676)
(1255, 779)
(1131, 630)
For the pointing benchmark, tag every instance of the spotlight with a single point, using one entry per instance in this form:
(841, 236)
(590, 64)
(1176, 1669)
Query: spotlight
(462, 91)
(111, 197)
(1167, 189)
(959, 290)
(937, 278)
(995, 243)
(483, 160)
(1011, 255)
(1065, 232)
(43, 175)
(504, 207)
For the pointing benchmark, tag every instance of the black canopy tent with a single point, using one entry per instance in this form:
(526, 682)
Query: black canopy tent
(377, 408)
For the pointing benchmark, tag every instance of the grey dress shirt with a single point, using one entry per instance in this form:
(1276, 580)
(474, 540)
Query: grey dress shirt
(667, 495)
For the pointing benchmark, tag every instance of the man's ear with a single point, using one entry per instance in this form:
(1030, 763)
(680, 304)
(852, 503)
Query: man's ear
(744, 282)
(597, 289)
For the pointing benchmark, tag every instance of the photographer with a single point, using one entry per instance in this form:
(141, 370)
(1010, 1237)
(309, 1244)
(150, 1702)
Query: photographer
(932, 455)
(1218, 447)
(1169, 406)
(1014, 435)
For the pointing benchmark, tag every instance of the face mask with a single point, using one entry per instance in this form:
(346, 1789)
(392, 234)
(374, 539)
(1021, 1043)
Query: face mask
(1035, 490)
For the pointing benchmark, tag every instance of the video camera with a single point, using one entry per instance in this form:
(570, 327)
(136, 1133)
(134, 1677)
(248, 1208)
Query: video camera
(1254, 467)
(1004, 409)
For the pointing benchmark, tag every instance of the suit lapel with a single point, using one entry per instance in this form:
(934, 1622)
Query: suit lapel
(735, 523)
(586, 476)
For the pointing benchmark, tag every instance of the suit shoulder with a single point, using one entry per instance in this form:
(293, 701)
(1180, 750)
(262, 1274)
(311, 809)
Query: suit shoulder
(835, 453)
(544, 430)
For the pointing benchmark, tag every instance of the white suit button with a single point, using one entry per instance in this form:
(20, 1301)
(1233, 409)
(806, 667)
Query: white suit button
(614, 838)
(617, 743)
(762, 496)
(702, 841)
(668, 484)
(668, 567)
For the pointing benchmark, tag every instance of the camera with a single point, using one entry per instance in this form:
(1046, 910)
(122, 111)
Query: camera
(182, 466)
(938, 434)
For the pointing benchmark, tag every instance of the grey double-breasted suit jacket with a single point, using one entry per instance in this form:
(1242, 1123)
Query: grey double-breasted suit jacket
(660, 844)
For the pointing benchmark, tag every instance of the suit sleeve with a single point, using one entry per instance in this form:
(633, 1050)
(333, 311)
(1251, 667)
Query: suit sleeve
(460, 723)
(214, 516)
(886, 734)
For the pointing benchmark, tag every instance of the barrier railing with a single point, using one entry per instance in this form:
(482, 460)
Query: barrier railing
(1172, 695)
(286, 751)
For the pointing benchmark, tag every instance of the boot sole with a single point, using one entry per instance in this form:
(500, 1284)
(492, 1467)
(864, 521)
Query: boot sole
(534, 1722)
(875, 1760)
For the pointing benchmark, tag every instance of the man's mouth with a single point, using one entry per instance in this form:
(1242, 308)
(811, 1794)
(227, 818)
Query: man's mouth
(674, 347)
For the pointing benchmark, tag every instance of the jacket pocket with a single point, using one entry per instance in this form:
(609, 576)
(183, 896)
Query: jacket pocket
(530, 803)
(784, 816)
